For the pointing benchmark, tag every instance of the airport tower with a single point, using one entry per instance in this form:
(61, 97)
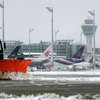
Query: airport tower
(89, 29)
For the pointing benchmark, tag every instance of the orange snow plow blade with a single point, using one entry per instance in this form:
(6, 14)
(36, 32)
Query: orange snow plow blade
(14, 65)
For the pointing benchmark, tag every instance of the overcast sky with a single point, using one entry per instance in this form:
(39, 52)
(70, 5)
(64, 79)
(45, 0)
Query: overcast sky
(69, 15)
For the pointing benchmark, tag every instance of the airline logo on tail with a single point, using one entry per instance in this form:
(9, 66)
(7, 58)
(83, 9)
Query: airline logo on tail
(47, 53)
(78, 54)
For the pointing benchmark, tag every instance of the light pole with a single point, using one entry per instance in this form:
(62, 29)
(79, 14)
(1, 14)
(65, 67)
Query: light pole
(30, 30)
(56, 35)
(56, 40)
(51, 10)
(2, 6)
(93, 14)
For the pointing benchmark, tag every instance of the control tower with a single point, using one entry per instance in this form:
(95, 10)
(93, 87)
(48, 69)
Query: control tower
(89, 29)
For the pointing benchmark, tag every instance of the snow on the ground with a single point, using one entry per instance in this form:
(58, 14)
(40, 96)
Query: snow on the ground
(76, 79)
(48, 96)
(91, 72)
(90, 76)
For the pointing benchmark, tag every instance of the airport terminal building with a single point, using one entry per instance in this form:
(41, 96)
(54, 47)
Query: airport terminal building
(62, 48)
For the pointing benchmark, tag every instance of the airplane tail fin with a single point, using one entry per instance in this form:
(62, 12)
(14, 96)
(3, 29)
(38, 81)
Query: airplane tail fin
(46, 53)
(14, 52)
(91, 60)
(78, 54)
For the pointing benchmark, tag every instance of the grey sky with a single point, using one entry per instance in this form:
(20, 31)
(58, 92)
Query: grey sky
(69, 15)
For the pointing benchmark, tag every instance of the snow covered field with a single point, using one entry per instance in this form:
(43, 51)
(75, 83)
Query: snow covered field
(90, 76)
(85, 76)
(49, 96)
(91, 72)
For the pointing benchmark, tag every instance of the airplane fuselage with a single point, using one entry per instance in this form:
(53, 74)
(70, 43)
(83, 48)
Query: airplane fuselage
(69, 61)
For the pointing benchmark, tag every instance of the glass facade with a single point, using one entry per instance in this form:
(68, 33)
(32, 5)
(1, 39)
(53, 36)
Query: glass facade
(64, 48)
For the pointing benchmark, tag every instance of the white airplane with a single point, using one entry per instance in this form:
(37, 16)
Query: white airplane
(43, 58)
(83, 65)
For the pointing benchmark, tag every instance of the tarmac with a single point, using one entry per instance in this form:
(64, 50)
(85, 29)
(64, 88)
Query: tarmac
(40, 87)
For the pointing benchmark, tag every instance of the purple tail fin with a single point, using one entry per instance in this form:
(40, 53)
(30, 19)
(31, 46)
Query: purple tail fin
(78, 54)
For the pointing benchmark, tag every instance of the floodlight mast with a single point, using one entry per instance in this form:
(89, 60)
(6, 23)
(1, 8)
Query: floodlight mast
(51, 10)
(30, 30)
(3, 37)
(56, 35)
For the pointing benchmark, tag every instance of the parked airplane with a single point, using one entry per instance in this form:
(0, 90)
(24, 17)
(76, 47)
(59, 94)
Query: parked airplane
(75, 59)
(43, 58)
(14, 53)
(85, 65)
